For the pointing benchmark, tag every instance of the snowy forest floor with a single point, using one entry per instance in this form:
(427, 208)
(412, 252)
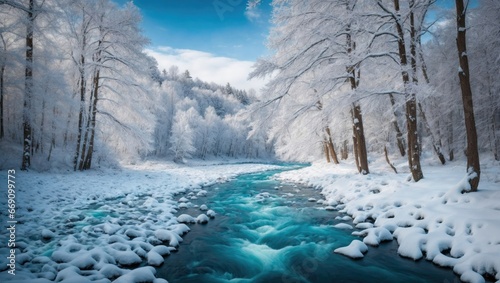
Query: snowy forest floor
(114, 224)
(430, 219)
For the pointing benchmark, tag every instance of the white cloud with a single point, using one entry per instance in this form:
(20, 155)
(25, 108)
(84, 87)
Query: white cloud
(207, 66)
(253, 14)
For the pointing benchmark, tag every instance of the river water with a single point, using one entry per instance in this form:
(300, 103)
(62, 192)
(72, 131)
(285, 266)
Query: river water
(267, 231)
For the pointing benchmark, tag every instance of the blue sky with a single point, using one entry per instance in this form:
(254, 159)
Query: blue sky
(220, 27)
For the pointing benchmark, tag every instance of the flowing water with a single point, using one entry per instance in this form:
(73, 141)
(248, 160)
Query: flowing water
(267, 231)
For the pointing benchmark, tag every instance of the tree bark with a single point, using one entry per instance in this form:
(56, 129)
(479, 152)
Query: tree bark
(411, 101)
(95, 93)
(473, 167)
(436, 146)
(359, 148)
(331, 148)
(360, 139)
(82, 86)
(2, 131)
(399, 135)
(78, 152)
(389, 161)
(345, 151)
(327, 151)
(28, 90)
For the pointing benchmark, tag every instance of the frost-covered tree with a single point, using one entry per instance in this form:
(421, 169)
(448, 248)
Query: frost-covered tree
(319, 48)
(182, 137)
(110, 50)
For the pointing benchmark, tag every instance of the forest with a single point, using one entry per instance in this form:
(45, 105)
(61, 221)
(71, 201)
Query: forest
(350, 78)
(78, 90)
(377, 119)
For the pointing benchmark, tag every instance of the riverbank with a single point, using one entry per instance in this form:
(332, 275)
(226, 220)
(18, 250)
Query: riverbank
(103, 225)
(430, 219)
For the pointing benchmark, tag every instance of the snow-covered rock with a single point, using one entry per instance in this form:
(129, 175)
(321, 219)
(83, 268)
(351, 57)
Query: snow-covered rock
(210, 213)
(356, 249)
(154, 258)
(185, 218)
(202, 219)
(166, 235)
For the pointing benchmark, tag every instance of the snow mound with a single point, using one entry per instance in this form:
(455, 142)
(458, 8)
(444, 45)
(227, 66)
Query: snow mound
(166, 235)
(344, 226)
(355, 250)
(411, 241)
(185, 218)
(211, 213)
(154, 258)
(202, 193)
(139, 275)
(47, 234)
(202, 219)
(374, 236)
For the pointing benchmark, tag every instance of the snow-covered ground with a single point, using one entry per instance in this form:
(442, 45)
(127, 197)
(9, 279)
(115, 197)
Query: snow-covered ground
(117, 224)
(430, 219)
(104, 225)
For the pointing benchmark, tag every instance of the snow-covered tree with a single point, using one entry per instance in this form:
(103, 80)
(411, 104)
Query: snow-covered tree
(182, 137)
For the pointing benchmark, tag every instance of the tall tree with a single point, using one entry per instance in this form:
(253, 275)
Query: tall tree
(110, 45)
(407, 62)
(473, 166)
(30, 10)
(3, 62)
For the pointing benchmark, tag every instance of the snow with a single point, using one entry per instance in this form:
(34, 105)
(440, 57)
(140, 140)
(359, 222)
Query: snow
(100, 225)
(355, 249)
(435, 218)
(47, 234)
(106, 223)
(211, 213)
(343, 226)
(185, 218)
(202, 219)
(154, 258)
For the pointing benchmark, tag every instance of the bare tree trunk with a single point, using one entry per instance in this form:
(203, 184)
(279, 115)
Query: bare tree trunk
(389, 161)
(79, 151)
(436, 146)
(331, 148)
(28, 90)
(473, 167)
(2, 87)
(355, 150)
(327, 151)
(41, 140)
(90, 151)
(496, 145)
(360, 139)
(2, 131)
(399, 135)
(344, 151)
